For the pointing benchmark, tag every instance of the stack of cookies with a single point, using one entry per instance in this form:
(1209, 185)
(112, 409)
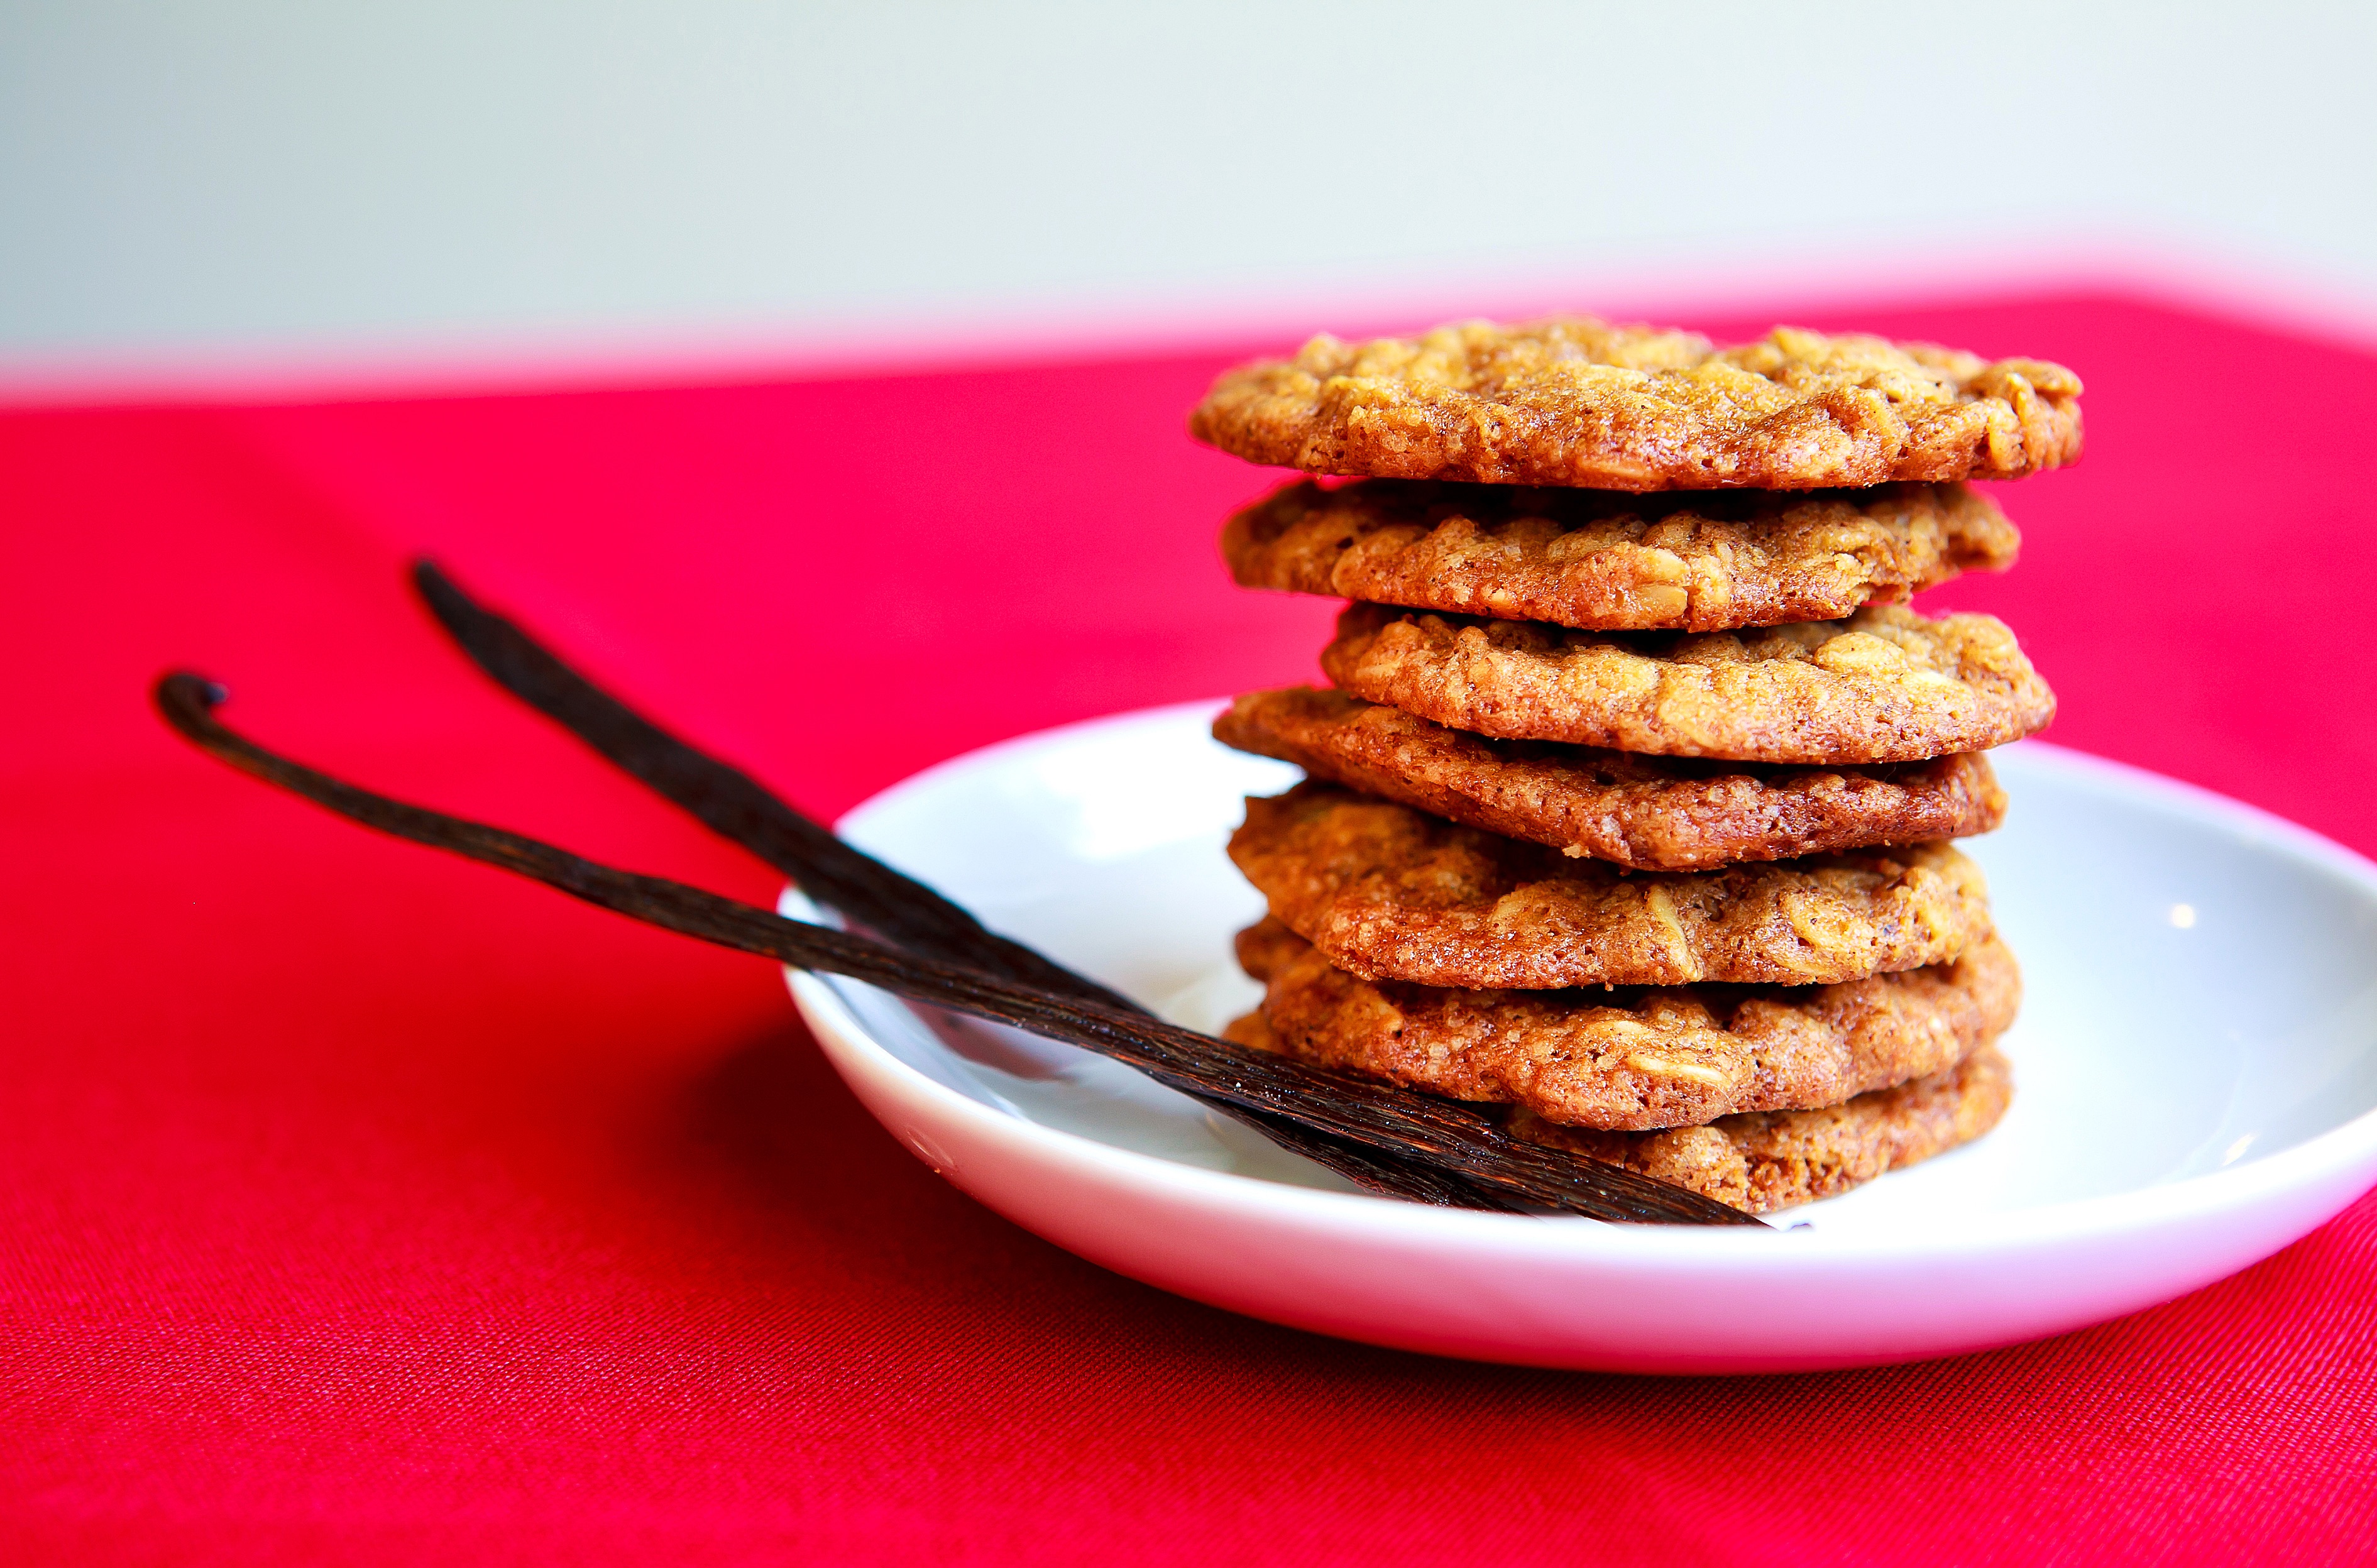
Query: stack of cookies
(1631, 805)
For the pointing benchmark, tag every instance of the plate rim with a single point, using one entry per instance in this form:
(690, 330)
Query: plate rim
(2304, 1166)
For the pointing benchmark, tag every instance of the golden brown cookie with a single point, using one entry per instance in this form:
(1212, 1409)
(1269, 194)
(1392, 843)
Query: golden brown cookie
(1634, 1060)
(1574, 401)
(1591, 560)
(1386, 892)
(1883, 685)
(1651, 813)
(1769, 1160)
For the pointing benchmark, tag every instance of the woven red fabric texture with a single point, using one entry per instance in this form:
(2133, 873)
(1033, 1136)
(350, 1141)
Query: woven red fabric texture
(361, 1205)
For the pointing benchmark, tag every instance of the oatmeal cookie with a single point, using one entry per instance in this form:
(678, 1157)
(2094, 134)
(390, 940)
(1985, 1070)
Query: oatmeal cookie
(1883, 685)
(1634, 1060)
(1573, 401)
(1590, 560)
(1769, 1160)
(1651, 813)
(1386, 892)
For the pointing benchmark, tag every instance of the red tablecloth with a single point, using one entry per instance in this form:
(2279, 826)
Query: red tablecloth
(362, 1204)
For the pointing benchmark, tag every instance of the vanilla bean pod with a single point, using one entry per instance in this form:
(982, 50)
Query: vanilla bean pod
(835, 875)
(1441, 1132)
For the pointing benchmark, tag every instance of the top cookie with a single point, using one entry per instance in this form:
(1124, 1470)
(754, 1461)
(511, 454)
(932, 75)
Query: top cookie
(1574, 401)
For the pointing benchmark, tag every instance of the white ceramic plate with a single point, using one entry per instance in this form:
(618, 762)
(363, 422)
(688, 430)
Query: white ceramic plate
(2195, 1072)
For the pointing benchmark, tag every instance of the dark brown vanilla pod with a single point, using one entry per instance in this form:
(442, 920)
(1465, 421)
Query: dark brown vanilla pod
(738, 807)
(1442, 1133)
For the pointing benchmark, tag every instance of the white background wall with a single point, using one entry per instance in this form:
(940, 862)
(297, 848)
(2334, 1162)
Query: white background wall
(254, 175)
